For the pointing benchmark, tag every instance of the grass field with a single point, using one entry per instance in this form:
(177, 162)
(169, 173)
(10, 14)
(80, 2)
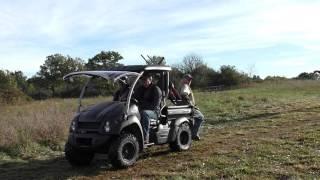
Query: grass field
(269, 130)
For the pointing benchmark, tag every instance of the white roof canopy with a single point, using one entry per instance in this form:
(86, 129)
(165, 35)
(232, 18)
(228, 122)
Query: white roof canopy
(108, 75)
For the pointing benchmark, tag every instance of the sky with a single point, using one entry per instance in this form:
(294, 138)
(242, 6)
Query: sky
(264, 37)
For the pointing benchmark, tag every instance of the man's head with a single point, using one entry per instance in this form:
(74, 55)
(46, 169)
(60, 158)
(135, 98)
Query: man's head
(187, 79)
(147, 80)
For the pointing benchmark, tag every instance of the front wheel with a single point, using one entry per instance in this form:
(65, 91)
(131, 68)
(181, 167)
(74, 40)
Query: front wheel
(183, 139)
(124, 151)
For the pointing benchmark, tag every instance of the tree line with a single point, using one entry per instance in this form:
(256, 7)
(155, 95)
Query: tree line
(48, 82)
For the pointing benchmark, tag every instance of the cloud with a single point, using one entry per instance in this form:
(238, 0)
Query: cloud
(34, 29)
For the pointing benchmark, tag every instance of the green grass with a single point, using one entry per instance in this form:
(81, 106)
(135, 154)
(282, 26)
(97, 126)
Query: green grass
(266, 131)
(262, 99)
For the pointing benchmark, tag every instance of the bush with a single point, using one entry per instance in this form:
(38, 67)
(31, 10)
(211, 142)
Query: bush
(12, 96)
(40, 94)
(9, 92)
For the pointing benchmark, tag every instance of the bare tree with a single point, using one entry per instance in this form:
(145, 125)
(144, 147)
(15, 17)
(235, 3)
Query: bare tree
(191, 64)
(194, 65)
(251, 70)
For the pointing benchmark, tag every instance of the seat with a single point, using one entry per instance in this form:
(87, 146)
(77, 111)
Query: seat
(174, 95)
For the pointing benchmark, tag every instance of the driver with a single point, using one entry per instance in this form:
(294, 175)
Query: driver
(149, 98)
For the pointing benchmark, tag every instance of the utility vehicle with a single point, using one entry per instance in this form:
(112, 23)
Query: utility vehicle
(114, 128)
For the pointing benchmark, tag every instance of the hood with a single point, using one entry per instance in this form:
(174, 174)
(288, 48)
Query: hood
(102, 111)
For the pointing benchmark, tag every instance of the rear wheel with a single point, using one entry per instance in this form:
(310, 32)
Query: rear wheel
(124, 151)
(183, 139)
(78, 157)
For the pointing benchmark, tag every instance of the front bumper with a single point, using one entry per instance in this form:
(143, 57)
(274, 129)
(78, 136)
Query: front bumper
(89, 141)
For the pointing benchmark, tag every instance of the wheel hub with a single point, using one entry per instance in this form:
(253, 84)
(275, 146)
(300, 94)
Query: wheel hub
(184, 138)
(128, 151)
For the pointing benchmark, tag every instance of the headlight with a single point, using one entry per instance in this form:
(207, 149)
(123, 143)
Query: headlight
(73, 126)
(107, 127)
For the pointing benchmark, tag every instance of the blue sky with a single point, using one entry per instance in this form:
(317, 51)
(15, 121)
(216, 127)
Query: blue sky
(265, 37)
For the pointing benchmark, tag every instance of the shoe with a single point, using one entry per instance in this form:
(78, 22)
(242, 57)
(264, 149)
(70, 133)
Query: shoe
(146, 140)
(196, 138)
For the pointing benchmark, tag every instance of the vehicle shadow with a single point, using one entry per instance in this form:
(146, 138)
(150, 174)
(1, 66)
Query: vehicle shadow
(59, 168)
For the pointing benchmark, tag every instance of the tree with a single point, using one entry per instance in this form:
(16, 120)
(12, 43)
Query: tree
(204, 76)
(38, 88)
(6, 80)
(192, 64)
(9, 91)
(54, 68)
(104, 60)
(308, 76)
(229, 76)
(251, 70)
(21, 80)
(275, 78)
(210, 77)
(256, 78)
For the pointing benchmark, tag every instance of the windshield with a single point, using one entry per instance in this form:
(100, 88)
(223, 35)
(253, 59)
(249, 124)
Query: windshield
(96, 89)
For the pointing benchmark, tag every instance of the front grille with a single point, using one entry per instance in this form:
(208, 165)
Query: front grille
(88, 125)
(84, 141)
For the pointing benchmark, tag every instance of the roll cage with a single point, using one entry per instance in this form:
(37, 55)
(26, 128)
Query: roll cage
(116, 74)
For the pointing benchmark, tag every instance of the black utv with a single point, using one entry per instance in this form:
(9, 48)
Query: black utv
(114, 127)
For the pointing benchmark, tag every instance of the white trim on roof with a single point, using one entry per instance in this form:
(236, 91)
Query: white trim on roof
(109, 75)
(160, 68)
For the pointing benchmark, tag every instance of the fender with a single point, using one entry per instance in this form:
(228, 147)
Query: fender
(132, 119)
(175, 126)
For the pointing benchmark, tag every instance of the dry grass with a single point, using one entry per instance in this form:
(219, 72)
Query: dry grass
(23, 128)
(42, 122)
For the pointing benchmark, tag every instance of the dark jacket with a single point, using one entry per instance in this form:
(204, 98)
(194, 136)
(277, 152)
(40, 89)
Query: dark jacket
(148, 98)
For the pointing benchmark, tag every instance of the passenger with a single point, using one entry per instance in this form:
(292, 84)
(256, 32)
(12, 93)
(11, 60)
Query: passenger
(188, 98)
(122, 93)
(149, 99)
